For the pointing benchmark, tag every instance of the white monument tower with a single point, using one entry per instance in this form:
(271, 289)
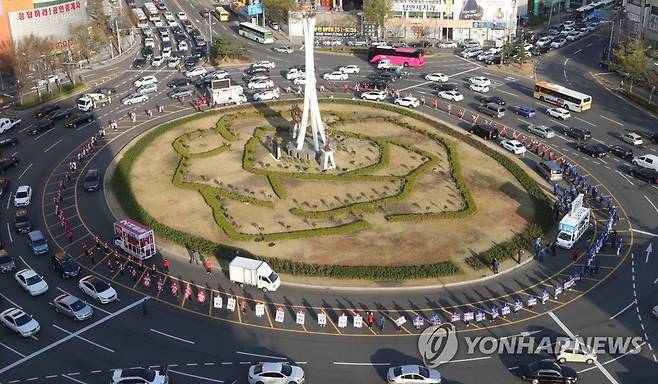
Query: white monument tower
(311, 109)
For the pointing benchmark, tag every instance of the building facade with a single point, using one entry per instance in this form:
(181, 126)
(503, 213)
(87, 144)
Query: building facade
(642, 20)
(482, 20)
(20, 18)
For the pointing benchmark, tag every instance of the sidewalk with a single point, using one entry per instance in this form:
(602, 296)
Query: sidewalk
(636, 95)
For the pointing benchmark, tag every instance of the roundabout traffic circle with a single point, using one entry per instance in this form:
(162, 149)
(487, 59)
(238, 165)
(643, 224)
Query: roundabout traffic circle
(332, 315)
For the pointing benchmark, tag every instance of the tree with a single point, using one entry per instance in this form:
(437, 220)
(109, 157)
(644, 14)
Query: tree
(29, 62)
(633, 62)
(377, 11)
(224, 48)
(84, 42)
(278, 9)
(521, 53)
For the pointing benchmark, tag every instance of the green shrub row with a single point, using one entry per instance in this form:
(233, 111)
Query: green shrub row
(34, 101)
(277, 186)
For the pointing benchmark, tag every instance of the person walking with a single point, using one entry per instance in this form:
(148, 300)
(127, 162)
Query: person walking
(540, 255)
(165, 265)
(597, 265)
(243, 307)
(495, 264)
(553, 249)
(382, 322)
(207, 265)
(145, 309)
(574, 254)
(520, 255)
(193, 257)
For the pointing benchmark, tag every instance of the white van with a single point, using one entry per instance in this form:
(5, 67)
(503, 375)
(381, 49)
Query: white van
(572, 351)
(646, 161)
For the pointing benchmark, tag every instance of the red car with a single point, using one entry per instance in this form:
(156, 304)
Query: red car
(204, 13)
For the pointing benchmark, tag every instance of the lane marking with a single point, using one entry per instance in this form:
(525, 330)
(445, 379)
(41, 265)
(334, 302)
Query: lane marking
(24, 262)
(51, 147)
(430, 82)
(624, 309)
(467, 360)
(195, 376)
(578, 51)
(625, 178)
(263, 356)
(584, 121)
(72, 379)
(9, 233)
(172, 336)
(566, 61)
(573, 337)
(84, 339)
(509, 93)
(13, 350)
(9, 199)
(612, 121)
(9, 300)
(614, 359)
(650, 202)
(362, 364)
(26, 169)
(71, 336)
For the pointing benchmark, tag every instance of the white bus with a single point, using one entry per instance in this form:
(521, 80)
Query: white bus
(140, 18)
(585, 12)
(574, 224)
(256, 32)
(152, 11)
(562, 97)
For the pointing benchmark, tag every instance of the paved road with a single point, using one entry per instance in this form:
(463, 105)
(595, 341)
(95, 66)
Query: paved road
(202, 344)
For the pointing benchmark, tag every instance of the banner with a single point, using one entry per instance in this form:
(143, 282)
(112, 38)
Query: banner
(260, 310)
(342, 321)
(218, 302)
(322, 319)
(358, 321)
(400, 320)
(300, 317)
(230, 304)
(279, 315)
(336, 31)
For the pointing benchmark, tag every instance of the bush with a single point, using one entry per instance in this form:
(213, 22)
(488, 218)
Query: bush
(33, 102)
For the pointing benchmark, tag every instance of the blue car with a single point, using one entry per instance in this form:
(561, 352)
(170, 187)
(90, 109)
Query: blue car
(526, 111)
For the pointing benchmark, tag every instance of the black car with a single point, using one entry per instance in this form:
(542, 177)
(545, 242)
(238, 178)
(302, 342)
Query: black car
(74, 120)
(179, 83)
(161, 6)
(577, 133)
(60, 115)
(147, 52)
(180, 92)
(376, 83)
(139, 62)
(22, 222)
(161, 30)
(4, 183)
(195, 32)
(654, 137)
(495, 59)
(41, 126)
(645, 174)
(65, 264)
(492, 99)
(387, 76)
(191, 61)
(45, 111)
(166, 44)
(176, 29)
(257, 71)
(539, 50)
(92, 180)
(7, 263)
(7, 161)
(548, 371)
(621, 151)
(106, 90)
(8, 142)
(592, 149)
(446, 87)
(200, 51)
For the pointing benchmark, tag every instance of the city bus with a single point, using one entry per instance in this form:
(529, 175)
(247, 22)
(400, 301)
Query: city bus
(408, 57)
(585, 12)
(152, 11)
(256, 32)
(562, 97)
(140, 18)
(221, 13)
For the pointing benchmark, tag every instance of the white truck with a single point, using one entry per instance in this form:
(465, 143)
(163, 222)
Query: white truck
(7, 124)
(90, 101)
(258, 273)
(233, 94)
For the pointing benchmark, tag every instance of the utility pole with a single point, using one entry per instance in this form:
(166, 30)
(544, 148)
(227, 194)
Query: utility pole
(116, 27)
(612, 28)
(210, 27)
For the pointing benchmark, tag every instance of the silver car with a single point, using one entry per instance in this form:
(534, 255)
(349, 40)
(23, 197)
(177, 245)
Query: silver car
(541, 131)
(413, 374)
(275, 373)
(72, 307)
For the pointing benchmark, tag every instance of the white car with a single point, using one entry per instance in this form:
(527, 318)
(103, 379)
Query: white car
(335, 75)
(260, 84)
(436, 77)
(158, 23)
(134, 98)
(558, 113)
(350, 69)
(573, 351)
(275, 373)
(294, 73)
(98, 289)
(446, 44)
(451, 95)
(149, 42)
(270, 94)
(264, 63)
(301, 80)
(541, 131)
(140, 376)
(471, 52)
(165, 37)
(218, 74)
(283, 49)
(413, 374)
(173, 62)
(408, 101)
(559, 43)
(147, 89)
(183, 46)
(30, 281)
(574, 35)
(544, 41)
(632, 138)
(478, 88)
(374, 95)
(166, 53)
(181, 16)
(480, 80)
(145, 81)
(196, 71)
(157, 61)
(19, 322)
(172, 23)
(383, 64)
(23, 196)
(513, 146)
(169, 16)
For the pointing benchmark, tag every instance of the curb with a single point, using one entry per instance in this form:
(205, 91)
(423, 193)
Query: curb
(600, 82)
